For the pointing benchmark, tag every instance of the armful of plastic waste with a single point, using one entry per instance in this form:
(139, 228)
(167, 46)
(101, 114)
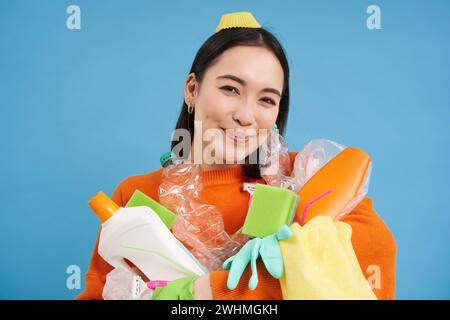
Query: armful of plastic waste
(139, 235)
(198, 225)
(331, 181)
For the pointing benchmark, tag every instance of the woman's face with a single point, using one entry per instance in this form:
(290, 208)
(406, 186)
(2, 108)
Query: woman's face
(237, 104)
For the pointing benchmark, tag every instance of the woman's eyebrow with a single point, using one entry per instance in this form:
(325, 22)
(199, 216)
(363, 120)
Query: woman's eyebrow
(242, 82)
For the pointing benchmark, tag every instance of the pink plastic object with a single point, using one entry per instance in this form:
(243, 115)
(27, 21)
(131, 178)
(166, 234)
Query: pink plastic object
(152, 285)
(302, 219)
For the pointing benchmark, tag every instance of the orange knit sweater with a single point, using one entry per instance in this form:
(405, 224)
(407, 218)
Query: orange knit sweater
(372, 241)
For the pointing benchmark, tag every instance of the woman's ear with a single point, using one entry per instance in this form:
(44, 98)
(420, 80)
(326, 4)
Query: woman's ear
(190, 89)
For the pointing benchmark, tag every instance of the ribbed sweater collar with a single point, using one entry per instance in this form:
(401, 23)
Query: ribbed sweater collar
(222, 176)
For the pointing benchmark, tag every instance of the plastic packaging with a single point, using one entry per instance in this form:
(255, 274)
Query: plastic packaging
(316, 154)
(361, 194)
(198, 225)
(311, 158)
(122, 284)
(140, 236)
(275, 163)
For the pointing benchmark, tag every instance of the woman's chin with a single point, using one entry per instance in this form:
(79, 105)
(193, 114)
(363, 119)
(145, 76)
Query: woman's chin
(231, 155)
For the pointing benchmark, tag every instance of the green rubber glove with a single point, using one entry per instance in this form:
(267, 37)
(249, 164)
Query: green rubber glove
(180, 289)
(237, 264)
(269, 250)
(271, 253)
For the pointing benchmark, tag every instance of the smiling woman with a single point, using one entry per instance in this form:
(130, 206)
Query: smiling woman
(238, 83)
(238, 86)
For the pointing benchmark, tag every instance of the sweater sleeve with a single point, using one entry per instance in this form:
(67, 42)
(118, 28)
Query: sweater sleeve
(374, 246)
(98, 268)
(375, 249)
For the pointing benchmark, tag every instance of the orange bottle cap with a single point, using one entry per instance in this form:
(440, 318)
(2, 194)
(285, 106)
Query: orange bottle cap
(103, 206)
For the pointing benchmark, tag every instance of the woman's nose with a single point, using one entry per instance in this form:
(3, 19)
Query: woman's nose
(245, 116)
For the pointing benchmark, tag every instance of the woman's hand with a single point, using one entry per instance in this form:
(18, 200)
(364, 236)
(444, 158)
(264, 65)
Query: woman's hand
(202, 288)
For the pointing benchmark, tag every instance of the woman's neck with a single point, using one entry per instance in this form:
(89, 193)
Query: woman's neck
(213, 166)
(209, 167)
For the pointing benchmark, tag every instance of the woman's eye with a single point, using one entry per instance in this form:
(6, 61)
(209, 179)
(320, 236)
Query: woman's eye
(230, 89)
(268, 100)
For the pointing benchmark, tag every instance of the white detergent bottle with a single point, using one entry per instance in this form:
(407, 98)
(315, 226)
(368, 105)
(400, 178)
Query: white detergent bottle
(140, 236)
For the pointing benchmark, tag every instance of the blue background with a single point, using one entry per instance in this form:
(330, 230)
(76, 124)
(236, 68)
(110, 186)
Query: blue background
(83, 109)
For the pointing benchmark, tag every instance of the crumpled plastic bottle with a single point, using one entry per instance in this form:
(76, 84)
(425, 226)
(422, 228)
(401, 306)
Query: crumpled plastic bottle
(275, 163)
(123, 284)
(197, 225)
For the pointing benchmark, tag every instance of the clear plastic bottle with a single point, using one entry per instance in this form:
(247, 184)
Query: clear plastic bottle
(275, 165)
(198, 225)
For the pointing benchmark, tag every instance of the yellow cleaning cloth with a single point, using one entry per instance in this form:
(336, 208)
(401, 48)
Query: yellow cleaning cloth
(319, 263)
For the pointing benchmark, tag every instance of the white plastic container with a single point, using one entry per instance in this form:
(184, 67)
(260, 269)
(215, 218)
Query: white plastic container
(140, 236)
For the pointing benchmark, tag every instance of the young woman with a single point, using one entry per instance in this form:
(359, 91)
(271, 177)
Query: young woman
(239, 83)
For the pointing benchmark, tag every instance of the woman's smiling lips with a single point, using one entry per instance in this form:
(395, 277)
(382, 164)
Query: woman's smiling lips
(237, 136)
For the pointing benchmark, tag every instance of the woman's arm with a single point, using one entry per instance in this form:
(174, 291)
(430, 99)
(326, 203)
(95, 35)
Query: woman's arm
(268, 287)
(374, 246)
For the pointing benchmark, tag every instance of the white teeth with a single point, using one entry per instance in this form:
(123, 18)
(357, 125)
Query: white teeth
(237, 137)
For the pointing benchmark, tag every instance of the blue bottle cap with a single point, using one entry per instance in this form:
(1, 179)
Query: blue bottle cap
(166, 157)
